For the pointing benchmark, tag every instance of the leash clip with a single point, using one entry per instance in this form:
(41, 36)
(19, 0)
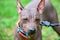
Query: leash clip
(45, 23)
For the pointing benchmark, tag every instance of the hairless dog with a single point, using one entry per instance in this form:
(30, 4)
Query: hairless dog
(28, 27)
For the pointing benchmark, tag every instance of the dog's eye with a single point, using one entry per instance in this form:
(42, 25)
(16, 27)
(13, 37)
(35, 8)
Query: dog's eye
(25, 19)
(37, 19)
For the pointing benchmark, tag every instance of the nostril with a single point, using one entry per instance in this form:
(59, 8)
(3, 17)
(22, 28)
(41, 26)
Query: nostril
(32, 31)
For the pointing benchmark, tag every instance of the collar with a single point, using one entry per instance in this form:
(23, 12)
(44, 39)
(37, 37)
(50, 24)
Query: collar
(21, 32)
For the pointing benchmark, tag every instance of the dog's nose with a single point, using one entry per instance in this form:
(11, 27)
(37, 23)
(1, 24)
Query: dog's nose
(32, 31)
(31, 28)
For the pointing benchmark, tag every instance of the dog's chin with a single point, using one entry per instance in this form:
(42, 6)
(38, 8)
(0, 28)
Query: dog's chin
(30, 33)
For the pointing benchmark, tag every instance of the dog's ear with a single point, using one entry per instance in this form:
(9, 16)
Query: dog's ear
(41, 6)
(19, 6)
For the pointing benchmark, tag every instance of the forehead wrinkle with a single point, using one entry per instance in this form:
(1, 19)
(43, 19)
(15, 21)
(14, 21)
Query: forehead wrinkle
(29, 13)
(25, 13)
(33, 13)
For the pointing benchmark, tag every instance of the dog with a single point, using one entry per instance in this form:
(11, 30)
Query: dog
(28, 27)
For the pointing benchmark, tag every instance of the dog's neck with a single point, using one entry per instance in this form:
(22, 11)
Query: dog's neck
(34, 37)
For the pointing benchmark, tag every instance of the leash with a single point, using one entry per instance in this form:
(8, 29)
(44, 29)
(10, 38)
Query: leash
(49, 24)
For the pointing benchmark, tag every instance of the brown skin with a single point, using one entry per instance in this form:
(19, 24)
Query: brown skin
(32, 14)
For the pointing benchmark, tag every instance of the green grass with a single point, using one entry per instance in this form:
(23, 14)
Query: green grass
(9, 17)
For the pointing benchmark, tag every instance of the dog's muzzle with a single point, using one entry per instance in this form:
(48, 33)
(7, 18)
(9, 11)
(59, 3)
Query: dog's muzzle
(31, 32)
(23, 33)
(31, 29)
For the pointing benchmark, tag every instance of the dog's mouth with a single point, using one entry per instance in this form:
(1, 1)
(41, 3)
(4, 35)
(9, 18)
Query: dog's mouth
(31, 32)
(27, 34)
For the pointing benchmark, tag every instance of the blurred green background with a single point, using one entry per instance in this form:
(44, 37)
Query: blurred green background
(9, 17)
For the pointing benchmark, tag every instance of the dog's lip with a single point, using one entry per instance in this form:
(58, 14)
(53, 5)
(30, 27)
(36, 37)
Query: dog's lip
(31, 33)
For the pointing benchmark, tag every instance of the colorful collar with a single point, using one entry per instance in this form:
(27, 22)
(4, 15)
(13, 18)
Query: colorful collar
(22, 33)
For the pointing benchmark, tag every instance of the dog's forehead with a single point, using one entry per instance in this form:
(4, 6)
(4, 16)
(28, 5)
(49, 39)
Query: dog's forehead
(32, 13)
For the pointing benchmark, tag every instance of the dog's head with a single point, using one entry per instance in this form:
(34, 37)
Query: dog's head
(30, 18)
